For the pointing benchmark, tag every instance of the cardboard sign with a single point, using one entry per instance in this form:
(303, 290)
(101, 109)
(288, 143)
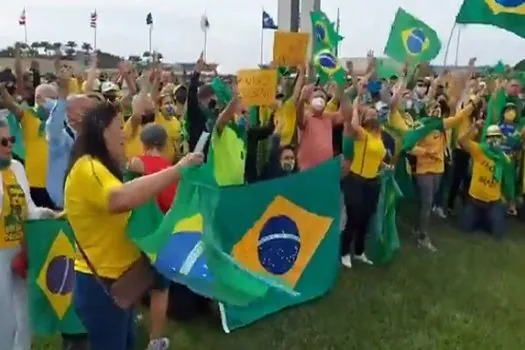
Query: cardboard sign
(289, 49)
(257, 87)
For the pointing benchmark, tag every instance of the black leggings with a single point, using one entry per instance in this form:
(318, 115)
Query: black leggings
(360, 196)
(460, 176)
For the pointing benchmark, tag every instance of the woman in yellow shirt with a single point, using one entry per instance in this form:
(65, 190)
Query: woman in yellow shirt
(98, 205)
(361, 185)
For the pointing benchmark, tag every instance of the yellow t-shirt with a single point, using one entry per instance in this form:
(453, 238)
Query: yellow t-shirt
(101, 234)
(285, 117)
(133, 145)
(14, 211)
(434, 143)
(368, 155)
(483, 186)
(36, 149)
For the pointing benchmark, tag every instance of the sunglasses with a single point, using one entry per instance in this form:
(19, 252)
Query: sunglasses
(6, 141)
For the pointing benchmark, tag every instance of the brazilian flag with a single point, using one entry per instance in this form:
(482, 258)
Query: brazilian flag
(255, 257)
(51, 254)
(411, 40)
(505, 14)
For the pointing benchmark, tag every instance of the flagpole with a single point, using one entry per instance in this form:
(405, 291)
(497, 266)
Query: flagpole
(150, 34)
(95, 38)
(262, 37)
(457, 46)
(338, 27)
(25, 32)
(448, 44)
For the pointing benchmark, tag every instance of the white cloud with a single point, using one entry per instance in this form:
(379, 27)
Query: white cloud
(234, 38)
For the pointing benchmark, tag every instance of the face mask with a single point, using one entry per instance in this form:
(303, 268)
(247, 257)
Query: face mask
(421, 90)
(147, 118)
(242, 122)
(510, 115)
(318, 103)
(494, 142)
(371, 124)
(288, 165)
(212, 104)
(383, 114)
(5, 163)
(409, 104)
(111, 98)
(41, 113)
(180, 98)
(168, 110)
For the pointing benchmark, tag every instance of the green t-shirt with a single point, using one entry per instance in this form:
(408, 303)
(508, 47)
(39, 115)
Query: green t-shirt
(228, 155)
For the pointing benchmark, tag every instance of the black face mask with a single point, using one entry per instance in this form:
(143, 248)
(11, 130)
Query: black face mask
(147, 118)
(111, 98)
(212, 104)
(180, 97)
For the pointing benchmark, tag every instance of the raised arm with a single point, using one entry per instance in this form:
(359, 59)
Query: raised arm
(229, 112)
(306, 92)
(10, 103)
(58, 115)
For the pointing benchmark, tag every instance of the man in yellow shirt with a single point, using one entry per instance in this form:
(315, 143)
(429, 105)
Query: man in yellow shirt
(484, 207)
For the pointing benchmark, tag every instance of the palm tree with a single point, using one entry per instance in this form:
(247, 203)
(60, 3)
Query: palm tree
(159, 56)
(87, 48)
(35, 46)
(146, 54)
(134, 58)
(46, 45)
(10, 51)
(71, 44)
(57, 46)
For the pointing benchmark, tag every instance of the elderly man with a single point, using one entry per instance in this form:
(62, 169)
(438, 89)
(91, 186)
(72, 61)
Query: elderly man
(61, 128)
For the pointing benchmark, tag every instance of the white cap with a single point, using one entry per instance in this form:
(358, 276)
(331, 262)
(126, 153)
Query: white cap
(108, 86)
(494, 130)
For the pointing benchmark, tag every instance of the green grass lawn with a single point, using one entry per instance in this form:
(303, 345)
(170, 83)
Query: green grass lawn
(470, 295)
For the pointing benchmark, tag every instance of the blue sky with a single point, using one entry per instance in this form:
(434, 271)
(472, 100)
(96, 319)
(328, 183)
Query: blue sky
(234, 38)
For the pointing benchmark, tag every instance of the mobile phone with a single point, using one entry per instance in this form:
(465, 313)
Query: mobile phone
(199, 147)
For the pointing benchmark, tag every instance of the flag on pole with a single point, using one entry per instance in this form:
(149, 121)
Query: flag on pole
(149, 19)
(205, 24)
(93, 22)
(22, 19)
(267, 21)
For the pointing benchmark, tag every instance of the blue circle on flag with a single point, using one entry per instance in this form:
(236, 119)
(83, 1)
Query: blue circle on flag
(319, 32)
(183, 257)
(416, 41)
(327, 60)
(60, 275)
(510, 3)
(279, 244)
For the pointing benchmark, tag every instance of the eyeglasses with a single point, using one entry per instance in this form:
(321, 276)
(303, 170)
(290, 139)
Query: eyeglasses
(6, 141)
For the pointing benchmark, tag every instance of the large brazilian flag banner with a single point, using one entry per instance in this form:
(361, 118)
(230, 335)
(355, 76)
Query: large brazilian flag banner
(51, 254)
(254, 249)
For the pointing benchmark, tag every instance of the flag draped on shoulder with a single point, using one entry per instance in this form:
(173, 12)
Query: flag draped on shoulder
(411, 40)
(51, 254)
(505, 14)
(325, 41)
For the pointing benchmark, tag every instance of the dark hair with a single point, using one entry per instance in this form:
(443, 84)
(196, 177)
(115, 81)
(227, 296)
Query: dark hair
(286, 148)
(90, 139)
(154, 136)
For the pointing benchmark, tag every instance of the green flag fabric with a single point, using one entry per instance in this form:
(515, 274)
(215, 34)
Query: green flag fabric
(16, 130)
(504, 170)
(383, 242)
(222, 91)
(505, 14)
(386, 68)
(51, 254)
(411, 40)
(325, 41)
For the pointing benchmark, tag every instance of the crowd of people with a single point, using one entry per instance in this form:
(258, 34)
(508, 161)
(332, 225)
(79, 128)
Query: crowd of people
(67, 145)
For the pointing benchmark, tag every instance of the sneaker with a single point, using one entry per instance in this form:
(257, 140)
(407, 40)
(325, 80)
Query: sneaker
(439, 212)
(425, 242)
(159, 344)
(364, 259)
(346, 260)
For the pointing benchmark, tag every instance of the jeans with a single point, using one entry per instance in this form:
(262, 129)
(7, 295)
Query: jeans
(489, 217)
(460, 176)
(15, 331)
(108, 326)
(360, 198)
(428, 185)
(439, 197)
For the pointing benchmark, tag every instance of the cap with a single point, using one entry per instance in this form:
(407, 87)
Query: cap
(494, 130)
(108, 86)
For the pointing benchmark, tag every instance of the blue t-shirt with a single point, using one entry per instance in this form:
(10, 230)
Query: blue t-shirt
(508, 131)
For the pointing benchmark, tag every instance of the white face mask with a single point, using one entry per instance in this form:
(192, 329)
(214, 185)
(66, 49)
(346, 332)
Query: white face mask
(421, 90)
(408, 104)
(318, 103)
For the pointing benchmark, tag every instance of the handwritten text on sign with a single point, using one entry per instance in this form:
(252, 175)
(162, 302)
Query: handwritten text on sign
(257, 86)
(289, 49)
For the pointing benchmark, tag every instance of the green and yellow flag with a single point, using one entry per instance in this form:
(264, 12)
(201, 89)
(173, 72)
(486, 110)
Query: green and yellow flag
(411, 40)
(505, 14)
(51, 276)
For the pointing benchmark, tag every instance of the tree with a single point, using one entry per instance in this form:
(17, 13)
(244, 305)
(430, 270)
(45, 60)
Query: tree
(71, 44)
(46, 45)
(146, 54)
(70, 53)
(86, 47)
(57, 47)
(34, 48)
(159, 56)
(10, 51)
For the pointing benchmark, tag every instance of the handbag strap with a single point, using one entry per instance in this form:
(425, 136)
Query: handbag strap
(92, 268)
